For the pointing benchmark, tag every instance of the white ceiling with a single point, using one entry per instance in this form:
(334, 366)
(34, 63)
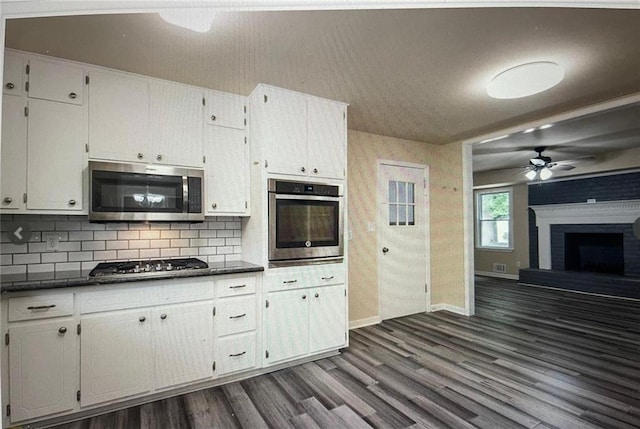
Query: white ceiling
(417, 74)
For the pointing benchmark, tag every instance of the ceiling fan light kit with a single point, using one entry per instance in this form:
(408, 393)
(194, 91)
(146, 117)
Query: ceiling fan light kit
(525, 80)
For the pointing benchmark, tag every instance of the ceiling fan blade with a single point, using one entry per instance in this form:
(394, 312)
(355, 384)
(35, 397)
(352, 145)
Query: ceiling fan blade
(563, 167)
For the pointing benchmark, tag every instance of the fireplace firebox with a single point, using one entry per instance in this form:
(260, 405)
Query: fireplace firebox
(594, 252)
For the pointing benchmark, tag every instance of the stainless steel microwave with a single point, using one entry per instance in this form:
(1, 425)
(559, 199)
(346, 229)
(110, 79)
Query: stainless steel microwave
(305, 222)
(139, 192)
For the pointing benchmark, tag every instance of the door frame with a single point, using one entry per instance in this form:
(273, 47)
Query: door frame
(427, 231)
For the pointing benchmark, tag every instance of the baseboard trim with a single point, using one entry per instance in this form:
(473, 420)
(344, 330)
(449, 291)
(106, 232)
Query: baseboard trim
(499, 275)
(449, 307)
(361, 323)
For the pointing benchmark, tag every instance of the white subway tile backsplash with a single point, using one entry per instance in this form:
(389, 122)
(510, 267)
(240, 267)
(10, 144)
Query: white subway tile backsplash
(80, 235)
(93, 245)
(129, 254)
(234, 257)
(117, 245)
(82, 244)
(105, 235)
(26, 258)
(52, 257)
(79, 256)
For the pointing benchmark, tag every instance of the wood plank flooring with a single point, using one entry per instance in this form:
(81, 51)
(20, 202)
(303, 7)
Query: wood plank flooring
(530, 358)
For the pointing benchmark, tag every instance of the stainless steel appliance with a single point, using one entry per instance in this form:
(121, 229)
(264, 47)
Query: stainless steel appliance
(146, 268)
(305, 222)
(138, 192)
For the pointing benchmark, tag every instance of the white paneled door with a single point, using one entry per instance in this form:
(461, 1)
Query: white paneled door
(402, 239)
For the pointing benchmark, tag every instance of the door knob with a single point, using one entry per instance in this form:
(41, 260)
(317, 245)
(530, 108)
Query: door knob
(385, 250)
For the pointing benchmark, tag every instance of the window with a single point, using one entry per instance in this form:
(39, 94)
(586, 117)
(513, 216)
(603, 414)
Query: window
(402, 203)
(494, 224)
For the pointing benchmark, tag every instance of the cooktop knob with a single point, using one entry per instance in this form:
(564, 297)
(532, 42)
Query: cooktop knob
(169, 267)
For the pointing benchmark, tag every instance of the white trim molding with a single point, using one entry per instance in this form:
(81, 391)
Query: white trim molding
(451, 308)
(577, 214)
(498, 275)
(361, 323)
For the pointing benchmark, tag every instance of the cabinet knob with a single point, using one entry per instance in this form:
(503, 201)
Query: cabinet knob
(385, 250)
(315, 170)
(303, 169)
(163, 316)
(72, 202)
(10, 85)
(73, 95)
(213, 117)
(140, 155)
(62, 330)
(317, 295)
(8, 200)
(159, 157)
(142, 318)
(304, 296)
(214, 206)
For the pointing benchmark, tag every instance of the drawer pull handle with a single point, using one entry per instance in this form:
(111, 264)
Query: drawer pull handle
(237, 286)
(290, 281)
(62, 330)
(237, 354)
(238, 316)
(327, 278)
(40, 307)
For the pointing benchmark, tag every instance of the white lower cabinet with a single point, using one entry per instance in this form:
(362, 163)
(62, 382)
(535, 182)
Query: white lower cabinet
(236, 353)
(183, 343)
(43, 368)
(304, 321)
(116, 356)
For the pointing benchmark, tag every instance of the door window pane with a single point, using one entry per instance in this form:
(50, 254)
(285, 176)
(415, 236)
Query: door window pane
(402, 192)
(393, 217)
(392, 192)
(401, 203)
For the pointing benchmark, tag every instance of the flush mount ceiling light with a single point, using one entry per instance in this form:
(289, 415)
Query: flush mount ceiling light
(194, 19)
(525, 79)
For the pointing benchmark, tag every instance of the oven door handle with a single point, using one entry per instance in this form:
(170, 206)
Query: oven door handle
(306, 197)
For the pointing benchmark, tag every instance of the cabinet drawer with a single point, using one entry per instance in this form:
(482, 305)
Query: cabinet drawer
(235, 286)
(305, 277)
(40, 307)
(235, 315)
(120, 298)
(237, 353)
(185, 290)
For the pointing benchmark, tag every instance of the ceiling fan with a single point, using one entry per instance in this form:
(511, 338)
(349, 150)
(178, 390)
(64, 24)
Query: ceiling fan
(540, 166)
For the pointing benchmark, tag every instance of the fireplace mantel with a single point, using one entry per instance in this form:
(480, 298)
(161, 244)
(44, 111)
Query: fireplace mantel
(579, 213)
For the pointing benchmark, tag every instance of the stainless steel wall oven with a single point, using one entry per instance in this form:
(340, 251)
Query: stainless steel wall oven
(138, 192)
(305, 222)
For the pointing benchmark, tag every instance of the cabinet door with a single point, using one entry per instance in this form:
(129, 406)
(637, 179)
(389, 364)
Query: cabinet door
(286, 325)
(43, 369)
(225, 110)
(285, 132)
(327, 318)
(327, 138)
(116, 359)
(118, 117)
(176, 125)
(56, 81)
(183, 343)
(13, 162)
(56, 155)
(236, 353)
(226, 170)
(13, 76)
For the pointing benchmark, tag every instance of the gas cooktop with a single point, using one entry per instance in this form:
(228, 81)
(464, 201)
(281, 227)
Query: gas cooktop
(146, 267)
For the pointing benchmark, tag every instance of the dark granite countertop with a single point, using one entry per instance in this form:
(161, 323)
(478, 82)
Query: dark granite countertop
(51, 280)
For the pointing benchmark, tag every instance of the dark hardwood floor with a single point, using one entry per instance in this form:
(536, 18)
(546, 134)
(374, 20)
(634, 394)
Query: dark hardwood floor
(531, 357)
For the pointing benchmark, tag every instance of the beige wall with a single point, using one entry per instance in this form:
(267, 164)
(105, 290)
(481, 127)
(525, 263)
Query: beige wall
(446, 210)
(484, 259)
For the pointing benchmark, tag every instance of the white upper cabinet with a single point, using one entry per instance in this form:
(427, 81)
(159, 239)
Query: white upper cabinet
(119, 117)
(14, 73)
(301, 135)
(176, 124)
(56, 155)
(56, 81)
(13, 161)
(226, 169)
(225, 110)
(327, 137)
(283, 125)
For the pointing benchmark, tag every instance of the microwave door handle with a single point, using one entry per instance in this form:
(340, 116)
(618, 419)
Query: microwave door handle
(185, 194)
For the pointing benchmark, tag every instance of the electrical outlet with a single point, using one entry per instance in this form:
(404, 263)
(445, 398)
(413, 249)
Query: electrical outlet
(517, 264)
(51, 242)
